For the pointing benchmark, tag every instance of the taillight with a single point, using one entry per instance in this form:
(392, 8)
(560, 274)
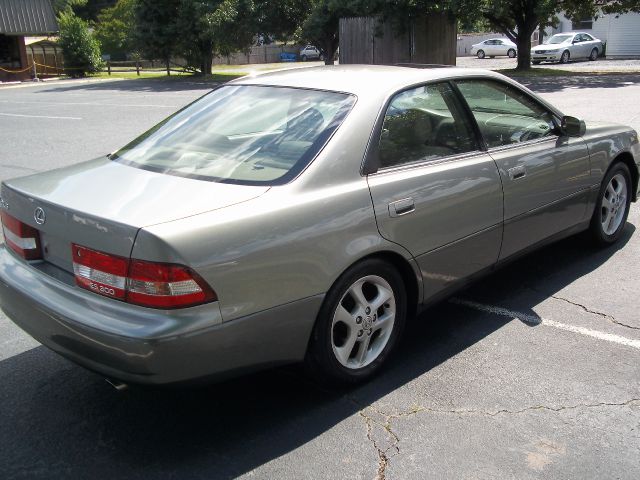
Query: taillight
(156, 285)
(99, 272)
(21, 238)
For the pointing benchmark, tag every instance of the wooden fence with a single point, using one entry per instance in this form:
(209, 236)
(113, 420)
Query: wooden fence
(368, 40)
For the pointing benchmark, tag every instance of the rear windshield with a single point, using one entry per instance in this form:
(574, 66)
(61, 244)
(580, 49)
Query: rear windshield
(252, 135)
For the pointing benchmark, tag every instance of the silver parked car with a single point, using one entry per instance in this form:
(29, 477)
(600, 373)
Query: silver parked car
(563, 47)
(495, 47)
(300, 216)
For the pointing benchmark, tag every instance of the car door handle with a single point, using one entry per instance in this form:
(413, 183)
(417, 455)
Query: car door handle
(517, 172)
(401, 207)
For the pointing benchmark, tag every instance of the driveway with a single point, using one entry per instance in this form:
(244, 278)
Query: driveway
(532, 373)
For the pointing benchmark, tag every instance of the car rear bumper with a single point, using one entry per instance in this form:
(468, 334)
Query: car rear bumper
(141, 345)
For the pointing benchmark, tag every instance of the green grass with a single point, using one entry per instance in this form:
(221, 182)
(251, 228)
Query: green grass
(218, 77)
(540, 72)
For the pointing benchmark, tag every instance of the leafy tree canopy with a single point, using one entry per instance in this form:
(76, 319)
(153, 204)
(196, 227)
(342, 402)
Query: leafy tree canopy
(115, 29)
(80, 49)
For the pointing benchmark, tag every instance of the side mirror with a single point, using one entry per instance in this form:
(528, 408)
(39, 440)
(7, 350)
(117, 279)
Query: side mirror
(573, 127)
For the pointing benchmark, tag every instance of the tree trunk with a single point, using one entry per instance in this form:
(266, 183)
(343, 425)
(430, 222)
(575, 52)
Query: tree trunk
(167, 64)
(524, 51)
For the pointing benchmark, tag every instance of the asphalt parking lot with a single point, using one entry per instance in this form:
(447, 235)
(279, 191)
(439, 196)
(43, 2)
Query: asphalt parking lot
(532, 373)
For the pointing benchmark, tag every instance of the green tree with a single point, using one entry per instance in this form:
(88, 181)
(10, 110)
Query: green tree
(214, 27)
(115, 29)
(279, 19)
(80, 49)
(60, 6)
(156, 31)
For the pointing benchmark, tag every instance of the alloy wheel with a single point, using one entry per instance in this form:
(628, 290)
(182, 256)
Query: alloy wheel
(363, 322)
(614, 204)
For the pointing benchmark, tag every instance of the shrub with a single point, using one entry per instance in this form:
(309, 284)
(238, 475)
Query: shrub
(80, 49)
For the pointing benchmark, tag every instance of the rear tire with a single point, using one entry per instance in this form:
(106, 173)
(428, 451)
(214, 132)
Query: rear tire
(480, 54)
(359, 324)
(594, 55)
(612, 208)
(511, 53)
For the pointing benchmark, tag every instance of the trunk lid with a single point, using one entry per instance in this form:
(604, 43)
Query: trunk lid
(102, 204)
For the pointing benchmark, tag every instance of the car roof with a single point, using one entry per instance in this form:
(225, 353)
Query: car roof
(360, 80)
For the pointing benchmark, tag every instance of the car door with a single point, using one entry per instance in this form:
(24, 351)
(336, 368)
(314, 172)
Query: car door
(434, 191)
(501, 48)
(492, 47)
(545, 175)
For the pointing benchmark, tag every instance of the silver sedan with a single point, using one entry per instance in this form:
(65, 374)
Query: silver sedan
(563, 47)
(300, 216)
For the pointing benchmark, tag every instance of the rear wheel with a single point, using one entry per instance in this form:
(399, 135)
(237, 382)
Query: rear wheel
(321, 57)
(511, 53)
(612, 207)
(594, 55)
(566, 56)
(359, 324)
(480, 54)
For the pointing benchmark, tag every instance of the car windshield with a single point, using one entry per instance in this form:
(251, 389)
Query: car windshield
(556, 39)
(252, 135)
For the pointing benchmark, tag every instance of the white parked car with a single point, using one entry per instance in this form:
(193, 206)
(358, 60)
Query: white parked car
(563, 47)
(310, 52)
(494, 47)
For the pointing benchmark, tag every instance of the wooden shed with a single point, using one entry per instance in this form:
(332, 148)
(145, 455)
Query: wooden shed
(20, 18)
(369, 40)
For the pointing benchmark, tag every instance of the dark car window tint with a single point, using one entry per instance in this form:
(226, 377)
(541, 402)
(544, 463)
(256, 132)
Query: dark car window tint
(505, 115)
(424, 123)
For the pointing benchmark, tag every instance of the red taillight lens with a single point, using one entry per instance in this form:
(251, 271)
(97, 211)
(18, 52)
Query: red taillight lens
(156, 285)
(99, 272)
(165, 286)
(21, 238)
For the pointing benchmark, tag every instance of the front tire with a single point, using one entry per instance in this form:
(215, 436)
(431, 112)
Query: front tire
(303, 58)
(511, 53)
(566, 56)
(536, 62)
(359, 324)
(612, 207)
(480, 54)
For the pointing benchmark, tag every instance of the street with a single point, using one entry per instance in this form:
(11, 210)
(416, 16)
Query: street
(533, 372)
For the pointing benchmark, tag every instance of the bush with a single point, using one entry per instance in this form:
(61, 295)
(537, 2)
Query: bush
(80, 49)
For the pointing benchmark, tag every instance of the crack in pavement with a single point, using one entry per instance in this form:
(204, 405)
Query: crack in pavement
(419, 409)
(606, 316)
(595, 312)
(388, 446)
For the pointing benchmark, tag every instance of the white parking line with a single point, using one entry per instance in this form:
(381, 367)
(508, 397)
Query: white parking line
(535, 320)
(92, 104)
(39, 116)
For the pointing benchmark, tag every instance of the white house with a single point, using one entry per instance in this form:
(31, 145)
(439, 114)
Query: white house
(621, 33)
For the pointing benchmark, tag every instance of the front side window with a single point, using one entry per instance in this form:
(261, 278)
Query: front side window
(504, 114)
(424, 123)
(253, 135)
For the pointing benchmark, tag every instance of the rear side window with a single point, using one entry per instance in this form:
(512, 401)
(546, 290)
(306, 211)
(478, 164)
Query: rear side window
(504, 114)
(424, 123)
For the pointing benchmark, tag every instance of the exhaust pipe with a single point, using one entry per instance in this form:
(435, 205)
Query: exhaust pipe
(117, 384)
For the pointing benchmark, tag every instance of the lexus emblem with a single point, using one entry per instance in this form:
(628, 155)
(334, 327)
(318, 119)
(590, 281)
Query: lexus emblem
(39, 216)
